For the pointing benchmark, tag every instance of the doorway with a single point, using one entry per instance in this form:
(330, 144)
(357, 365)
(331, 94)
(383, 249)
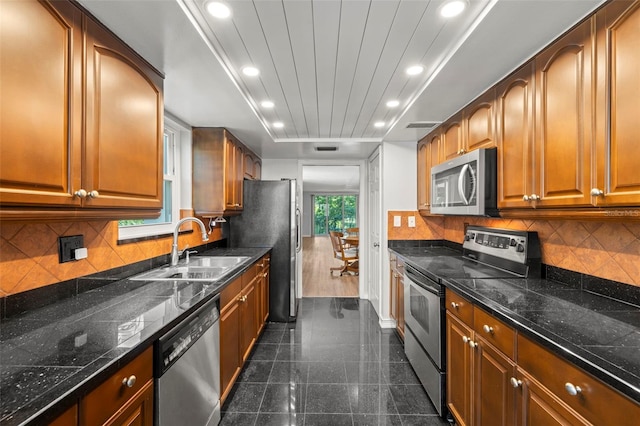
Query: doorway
(330, 203)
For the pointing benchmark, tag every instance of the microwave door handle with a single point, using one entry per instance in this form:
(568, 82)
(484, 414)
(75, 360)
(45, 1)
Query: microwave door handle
(474, 183)
(461, 179)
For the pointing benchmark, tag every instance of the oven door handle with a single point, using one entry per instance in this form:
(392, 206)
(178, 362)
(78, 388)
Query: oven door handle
(413, 278)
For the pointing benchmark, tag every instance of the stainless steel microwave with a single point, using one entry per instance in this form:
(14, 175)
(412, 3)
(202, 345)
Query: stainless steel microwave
(466, 185)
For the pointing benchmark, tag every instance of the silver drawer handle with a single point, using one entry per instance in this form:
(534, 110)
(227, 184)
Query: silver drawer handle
(129, 382)
(487, 329)
(572, 389)
(515, 382)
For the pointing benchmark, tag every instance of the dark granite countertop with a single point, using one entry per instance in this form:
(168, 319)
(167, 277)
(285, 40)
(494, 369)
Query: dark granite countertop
(51, 356)
(598, 333)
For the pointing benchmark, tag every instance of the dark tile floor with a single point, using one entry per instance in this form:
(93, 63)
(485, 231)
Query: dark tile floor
(334, 366)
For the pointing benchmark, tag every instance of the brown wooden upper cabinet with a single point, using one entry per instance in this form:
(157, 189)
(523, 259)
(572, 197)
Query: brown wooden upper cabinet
(219, 161)
(552, 168)
(617, 178)
(452, 142)
(252, 166)
(564, 117)
(479, 119)
(45, 159)
(428, 156)
(515, 137)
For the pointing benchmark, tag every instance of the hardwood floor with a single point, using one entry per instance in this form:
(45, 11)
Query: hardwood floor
(317, 280)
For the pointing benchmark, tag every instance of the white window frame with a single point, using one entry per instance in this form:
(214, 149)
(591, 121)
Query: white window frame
(180, 138)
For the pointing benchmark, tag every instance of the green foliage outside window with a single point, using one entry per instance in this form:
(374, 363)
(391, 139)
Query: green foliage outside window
(334, 213)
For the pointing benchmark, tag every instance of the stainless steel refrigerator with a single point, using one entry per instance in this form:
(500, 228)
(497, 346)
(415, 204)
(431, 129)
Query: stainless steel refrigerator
(271, 218)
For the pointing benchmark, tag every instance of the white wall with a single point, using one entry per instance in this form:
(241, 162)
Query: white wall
(398, 192)
(307, 213)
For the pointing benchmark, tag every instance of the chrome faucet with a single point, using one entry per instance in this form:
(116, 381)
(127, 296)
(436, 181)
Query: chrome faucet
(175, 253)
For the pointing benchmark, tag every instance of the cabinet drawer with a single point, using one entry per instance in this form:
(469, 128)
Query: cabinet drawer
(99, 405)
(263, 264)
(597, 402)
(460, 307)
(230, 293)
(495, 332)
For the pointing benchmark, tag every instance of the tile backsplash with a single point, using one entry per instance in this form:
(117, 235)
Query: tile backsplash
(29, 252)
(608, 250)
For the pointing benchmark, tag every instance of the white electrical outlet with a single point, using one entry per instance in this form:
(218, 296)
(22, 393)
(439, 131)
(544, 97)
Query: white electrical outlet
(397, 221)
(411, 221)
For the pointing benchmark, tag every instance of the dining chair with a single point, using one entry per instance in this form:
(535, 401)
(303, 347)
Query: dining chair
(349, 257)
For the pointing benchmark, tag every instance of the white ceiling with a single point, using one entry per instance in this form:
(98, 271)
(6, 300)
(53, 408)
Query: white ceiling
(329, 65)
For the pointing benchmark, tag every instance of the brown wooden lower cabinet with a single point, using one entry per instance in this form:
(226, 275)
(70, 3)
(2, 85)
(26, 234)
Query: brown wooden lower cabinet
(69, 417)
(488, 385)
(126, 398)
(242, 319)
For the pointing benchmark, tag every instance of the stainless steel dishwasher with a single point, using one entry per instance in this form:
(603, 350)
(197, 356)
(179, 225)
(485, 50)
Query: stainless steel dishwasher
(187, 363)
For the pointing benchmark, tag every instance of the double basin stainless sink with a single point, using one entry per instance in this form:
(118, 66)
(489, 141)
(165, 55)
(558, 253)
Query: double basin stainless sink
(201, 268)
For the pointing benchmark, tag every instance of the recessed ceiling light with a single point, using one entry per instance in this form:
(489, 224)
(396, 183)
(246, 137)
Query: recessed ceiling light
(415, 70)
(393, 104)
(278, 124)
(267, 104)
(250, 71)
(453, 8)
(379, 124)
(218, 10)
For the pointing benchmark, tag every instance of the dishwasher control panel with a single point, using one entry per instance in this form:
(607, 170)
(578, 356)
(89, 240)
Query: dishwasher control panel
(171, 347)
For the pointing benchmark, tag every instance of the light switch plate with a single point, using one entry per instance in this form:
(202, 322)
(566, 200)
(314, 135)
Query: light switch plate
(397, 221)
(411, 221)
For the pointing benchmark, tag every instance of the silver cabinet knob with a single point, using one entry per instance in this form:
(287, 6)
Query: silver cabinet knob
(376, 244)
(534, 197)
(487, 329)
(94, 194)
(596, 192)
(525, 198)
(472, 344)
(455, 305)
(572, 389)
(515, 382)
(129, 381)
(465, 339)
(80, 193)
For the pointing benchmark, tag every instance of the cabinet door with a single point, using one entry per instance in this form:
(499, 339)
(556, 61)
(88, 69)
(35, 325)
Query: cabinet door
(618, 103)
(238, 177)
(137, 412)
(538, 406)
(459, 370)
(68, 418)
(248, 318)
(494, 395)
(265, 295)
(479, 122)
(124, 131)
(230, 356)
(564, 116)
(393, 291)
(257, 168)
(40, 112)
(452, 138)
(515, 127)
(234, 173)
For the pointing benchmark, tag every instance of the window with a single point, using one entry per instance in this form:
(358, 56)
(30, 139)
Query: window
(170, 213)
(334, 213)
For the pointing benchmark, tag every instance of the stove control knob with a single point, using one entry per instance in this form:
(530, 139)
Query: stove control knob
(467, 237)
(512, 243)
(520, 248)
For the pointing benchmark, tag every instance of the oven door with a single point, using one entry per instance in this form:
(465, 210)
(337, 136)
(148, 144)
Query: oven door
(423, 315)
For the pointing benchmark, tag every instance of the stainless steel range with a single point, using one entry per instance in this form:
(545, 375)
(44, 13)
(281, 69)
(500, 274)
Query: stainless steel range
(487, 253)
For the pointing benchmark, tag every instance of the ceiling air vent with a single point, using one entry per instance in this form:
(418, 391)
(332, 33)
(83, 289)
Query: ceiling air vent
(326, 148)
(423, 124)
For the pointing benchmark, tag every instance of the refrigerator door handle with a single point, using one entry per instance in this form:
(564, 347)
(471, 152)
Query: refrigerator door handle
(298, 231)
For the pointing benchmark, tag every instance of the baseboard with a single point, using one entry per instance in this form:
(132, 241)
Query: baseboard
(388, 323)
